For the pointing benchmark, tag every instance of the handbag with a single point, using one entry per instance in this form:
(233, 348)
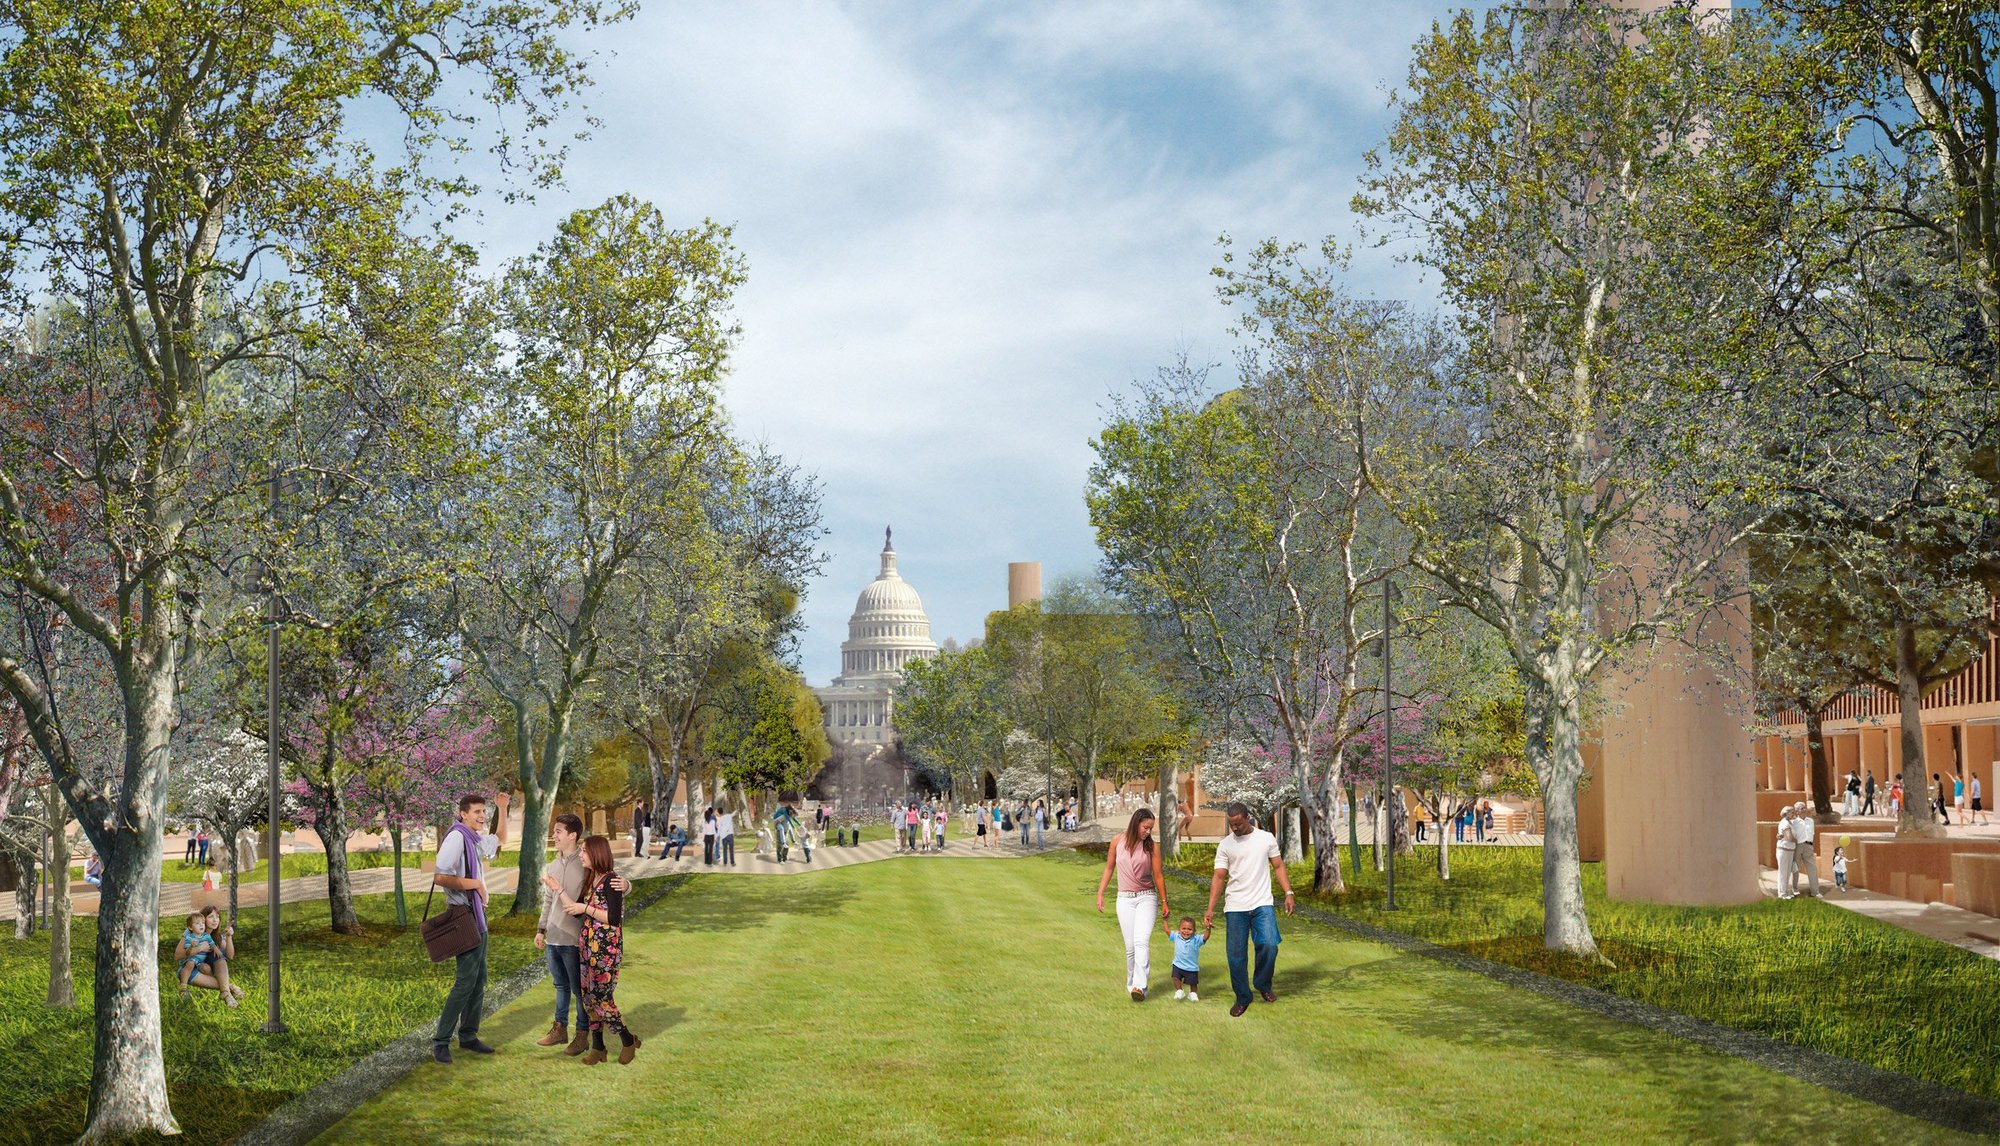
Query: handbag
(452, 933)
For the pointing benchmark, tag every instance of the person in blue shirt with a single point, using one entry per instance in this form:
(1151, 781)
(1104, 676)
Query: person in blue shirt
(1187, 960)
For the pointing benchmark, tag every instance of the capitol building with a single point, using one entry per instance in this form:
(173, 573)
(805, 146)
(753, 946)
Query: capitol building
(888, 630)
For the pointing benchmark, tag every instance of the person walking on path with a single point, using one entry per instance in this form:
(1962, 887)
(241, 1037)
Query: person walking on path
(201, 843)
(1938, 799)
(187, 858)
(1868, 794)
(602, 946)
(1244, 863)
(708, 840)
(1133, 857)
(1802, 831)
(1958, 796)
(979, 822)
(459, 866)
(943, 816)
(725, 831)
(1041, 823)
(558, 933)
(1978, 804)
(1851, 804)
(1788, 846)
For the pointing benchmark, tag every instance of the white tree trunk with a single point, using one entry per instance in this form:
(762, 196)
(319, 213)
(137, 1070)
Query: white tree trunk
(62, 985)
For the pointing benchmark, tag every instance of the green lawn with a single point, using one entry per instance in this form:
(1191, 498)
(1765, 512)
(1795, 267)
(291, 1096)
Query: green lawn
(172, 870)
(937, 1001)
(344, 997)
(1805, 972)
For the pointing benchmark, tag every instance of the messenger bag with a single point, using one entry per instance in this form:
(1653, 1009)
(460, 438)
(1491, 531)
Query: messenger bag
(451, 934)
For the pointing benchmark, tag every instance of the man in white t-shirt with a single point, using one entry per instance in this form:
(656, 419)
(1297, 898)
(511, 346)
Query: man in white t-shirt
(725, 828)
(1245, 860)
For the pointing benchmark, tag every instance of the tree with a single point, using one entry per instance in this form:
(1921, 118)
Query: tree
(1243, 525)
(1074, 679)
(221, 783)
(414, 772)
(594, 445)
(1463, 735)
(769, 733)
(951, 713)
(153, 159)
(1582, 472)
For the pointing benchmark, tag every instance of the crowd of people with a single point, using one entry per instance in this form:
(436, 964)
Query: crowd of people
(1963, 796)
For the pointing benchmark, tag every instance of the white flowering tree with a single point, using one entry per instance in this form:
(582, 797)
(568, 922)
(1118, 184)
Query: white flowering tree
(221, 783)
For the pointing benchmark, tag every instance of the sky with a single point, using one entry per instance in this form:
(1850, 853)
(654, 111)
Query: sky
(967, 226)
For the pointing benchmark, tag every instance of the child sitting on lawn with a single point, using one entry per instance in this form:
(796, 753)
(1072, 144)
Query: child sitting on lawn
(193, 950)
(1840, 868)
(1187, 960)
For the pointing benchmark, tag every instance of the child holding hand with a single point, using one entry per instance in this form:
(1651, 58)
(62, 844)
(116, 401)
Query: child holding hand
(1187, 960)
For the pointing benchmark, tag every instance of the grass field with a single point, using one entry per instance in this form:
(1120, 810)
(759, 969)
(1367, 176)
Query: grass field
(1804, 972)
(172, 870)
(344, 997)
(939, 1001)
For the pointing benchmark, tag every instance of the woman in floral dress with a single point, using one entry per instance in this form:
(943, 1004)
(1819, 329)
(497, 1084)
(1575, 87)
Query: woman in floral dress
(601, 947)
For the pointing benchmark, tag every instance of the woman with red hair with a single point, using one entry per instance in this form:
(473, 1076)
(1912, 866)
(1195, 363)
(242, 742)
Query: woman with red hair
(601, 945)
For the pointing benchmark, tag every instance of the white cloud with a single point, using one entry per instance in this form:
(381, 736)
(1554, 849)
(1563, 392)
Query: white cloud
(967, 225)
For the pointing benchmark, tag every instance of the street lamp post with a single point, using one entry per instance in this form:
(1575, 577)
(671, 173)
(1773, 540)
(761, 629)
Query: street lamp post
(273, 1023)
(1388, 746)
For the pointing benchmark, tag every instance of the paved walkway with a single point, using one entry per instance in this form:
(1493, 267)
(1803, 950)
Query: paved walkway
(178, 898)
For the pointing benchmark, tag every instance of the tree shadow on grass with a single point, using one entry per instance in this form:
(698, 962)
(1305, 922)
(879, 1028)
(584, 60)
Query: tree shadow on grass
(744, 903)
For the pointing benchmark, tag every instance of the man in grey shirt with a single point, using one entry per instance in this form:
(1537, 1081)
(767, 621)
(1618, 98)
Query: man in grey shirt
(558, 932)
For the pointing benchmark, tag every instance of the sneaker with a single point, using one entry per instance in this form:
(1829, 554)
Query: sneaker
(1180, 994)
(1193, 998)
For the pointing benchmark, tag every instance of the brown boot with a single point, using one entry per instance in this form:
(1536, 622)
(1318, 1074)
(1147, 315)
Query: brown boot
(631, 1048)
(580, 1043)
(557, 1036)
(594, 1057)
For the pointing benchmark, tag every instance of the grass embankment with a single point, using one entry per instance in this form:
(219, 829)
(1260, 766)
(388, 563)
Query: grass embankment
(932, 1000)
(344, 996)
(1805, 972)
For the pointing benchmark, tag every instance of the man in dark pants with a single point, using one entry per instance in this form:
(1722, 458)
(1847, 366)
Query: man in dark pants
(459, 866)
(1245, 860)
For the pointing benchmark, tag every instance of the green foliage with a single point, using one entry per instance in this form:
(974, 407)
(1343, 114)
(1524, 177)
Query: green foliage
(769, 733)
(345, 996)
(952, 713)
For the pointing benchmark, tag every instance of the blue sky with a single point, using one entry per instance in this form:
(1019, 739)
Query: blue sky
(967, 225)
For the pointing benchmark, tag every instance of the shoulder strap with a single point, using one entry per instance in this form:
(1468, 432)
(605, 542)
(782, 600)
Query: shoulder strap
(427, 898)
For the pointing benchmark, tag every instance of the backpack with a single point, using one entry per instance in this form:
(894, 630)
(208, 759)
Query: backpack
(1006, 822)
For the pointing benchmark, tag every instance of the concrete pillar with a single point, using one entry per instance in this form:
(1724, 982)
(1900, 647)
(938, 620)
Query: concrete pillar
(1680, 809)
(1024, 582)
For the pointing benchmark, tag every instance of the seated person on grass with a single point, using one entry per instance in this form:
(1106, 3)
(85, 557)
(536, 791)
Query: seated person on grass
(202, 962)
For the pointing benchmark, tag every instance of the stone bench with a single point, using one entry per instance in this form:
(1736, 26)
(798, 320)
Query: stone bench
(1914, 869)
(1975, 881)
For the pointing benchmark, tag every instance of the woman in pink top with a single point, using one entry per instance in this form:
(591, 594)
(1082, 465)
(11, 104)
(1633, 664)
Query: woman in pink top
(1141, 896)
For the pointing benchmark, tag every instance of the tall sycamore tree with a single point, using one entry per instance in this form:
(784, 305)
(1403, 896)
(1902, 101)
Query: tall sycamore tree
(595, 443)
(1593, 191)
(163, 159)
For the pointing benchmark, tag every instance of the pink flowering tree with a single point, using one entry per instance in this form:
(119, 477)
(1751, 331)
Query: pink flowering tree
(366, 732)
(417, 780)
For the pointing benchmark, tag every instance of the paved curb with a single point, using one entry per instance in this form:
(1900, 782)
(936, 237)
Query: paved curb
(1943, 1105)
(314, 1112)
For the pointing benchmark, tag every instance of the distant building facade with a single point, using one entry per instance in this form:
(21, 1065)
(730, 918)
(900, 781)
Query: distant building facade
(888, 630)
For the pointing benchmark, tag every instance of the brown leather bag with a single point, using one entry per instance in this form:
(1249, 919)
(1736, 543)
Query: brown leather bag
(451, 934)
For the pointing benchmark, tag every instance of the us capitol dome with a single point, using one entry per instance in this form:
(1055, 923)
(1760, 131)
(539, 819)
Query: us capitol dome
(888, 630)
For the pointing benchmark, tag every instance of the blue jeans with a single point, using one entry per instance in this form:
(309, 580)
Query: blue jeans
(1259, 925)
(567, 973)
(1038, 839)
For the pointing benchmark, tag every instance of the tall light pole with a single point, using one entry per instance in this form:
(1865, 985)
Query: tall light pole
(1388, 745)
(274, 1023)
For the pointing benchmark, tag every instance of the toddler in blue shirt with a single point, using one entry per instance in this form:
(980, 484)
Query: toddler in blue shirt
(1187, 961)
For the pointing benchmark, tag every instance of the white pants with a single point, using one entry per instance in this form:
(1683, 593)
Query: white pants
(1787, 870)
(1805, 861)
(1138, 913)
